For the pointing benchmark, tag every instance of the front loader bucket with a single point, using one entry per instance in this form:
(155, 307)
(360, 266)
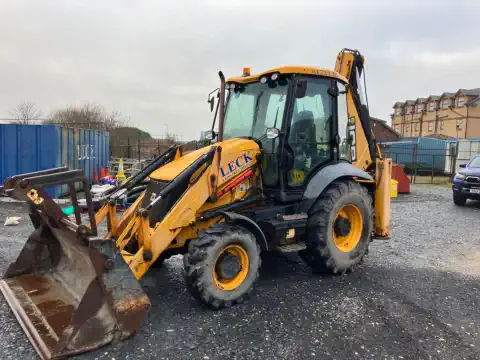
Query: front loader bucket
(70, 290)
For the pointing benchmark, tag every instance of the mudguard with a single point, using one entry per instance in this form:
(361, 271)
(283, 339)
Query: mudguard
(325, 177)
(241, 220)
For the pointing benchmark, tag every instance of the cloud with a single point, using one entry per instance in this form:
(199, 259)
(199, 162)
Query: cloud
(156, 61)
(444, 58)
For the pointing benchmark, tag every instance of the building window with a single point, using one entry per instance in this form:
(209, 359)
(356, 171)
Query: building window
(430, 126)
(419, 108)
(431, 106)
(442, 124)
(409, 110)
(445, 103)
(459, 124)
(398, 111)
(416, 126)
(460, 101)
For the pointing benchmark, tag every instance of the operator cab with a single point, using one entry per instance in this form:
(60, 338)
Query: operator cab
(299, 118)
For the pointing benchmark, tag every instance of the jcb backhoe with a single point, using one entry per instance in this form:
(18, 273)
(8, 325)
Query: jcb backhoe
(293, 167)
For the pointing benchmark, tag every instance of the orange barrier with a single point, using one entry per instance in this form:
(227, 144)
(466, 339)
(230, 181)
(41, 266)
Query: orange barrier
(95, 176)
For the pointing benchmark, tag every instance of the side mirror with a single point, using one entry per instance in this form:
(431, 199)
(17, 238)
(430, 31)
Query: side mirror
(211, 98)
(210, 135)
(211, 101)
(272, 133)
(301, 88)
(462, 165)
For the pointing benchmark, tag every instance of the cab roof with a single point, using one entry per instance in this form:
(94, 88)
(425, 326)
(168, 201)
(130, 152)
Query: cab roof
(306, 70)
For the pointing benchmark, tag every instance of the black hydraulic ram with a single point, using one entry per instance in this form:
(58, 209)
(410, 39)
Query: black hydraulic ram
(184, 176)
(157, 162)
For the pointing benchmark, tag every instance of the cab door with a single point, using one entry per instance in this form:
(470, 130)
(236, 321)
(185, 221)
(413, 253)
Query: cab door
(310, 134)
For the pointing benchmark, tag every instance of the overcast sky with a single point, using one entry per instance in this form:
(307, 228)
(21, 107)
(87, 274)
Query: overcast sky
(155, 61)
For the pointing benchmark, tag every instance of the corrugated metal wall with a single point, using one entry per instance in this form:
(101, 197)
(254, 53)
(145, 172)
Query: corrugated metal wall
(83, 149)
(27, 148)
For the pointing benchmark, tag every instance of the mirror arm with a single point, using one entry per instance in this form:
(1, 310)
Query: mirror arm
(222, 106)
(215, 116)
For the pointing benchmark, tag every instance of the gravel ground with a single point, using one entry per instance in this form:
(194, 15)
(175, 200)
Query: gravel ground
(416, 296)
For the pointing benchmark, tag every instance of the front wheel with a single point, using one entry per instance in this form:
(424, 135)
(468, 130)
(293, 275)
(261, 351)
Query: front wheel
(339, 228)
(459, 199)
(222, 265)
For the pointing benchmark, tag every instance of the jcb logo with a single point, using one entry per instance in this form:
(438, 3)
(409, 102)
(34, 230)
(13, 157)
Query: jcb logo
(352, 135)
(86, 152)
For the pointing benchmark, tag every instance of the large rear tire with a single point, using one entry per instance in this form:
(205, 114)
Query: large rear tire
(339, 228)
(221, 266)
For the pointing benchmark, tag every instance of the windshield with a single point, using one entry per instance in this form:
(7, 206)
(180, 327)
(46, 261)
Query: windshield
(253, 108)
(475, 163)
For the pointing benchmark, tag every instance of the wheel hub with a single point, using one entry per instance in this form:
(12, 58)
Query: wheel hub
(347, 228)
(228, 266)
(342, 226)
(231, 267)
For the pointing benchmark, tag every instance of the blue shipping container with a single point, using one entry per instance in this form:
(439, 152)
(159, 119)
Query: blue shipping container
(28, 148)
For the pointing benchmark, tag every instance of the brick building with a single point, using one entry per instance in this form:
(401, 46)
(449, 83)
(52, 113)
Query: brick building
(382, 131)
(449, 115)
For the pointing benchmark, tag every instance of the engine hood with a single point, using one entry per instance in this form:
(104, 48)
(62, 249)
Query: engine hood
(470, 171)
(230, 148)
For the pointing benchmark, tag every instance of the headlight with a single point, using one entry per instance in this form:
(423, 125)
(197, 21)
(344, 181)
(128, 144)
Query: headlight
(459, 176)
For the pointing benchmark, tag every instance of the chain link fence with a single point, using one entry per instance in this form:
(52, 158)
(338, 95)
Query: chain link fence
(146, 149)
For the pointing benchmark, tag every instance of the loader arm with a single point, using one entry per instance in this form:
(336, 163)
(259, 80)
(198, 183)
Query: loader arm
(153, 241)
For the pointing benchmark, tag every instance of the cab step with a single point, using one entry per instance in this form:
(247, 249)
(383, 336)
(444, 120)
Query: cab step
(292, 247)
(293, 217)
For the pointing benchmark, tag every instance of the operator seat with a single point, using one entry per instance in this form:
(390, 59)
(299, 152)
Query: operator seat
(302, 133)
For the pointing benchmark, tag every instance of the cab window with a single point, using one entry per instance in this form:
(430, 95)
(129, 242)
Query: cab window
(310, 130)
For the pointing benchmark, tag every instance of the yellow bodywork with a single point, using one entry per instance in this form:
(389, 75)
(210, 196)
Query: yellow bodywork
(232, 159)
(382, 198)
(305, 70)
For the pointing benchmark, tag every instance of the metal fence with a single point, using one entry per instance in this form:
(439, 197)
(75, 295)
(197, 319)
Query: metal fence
(145, 149)
(423, 164)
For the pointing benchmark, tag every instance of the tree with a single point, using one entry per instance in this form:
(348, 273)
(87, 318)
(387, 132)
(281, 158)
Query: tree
(25, 112)
(89, 116)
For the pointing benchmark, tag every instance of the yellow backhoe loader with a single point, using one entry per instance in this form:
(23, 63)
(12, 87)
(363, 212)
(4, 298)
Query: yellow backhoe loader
(293, 167)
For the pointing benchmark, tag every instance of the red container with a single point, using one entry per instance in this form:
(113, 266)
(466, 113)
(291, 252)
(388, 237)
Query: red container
(402, 178)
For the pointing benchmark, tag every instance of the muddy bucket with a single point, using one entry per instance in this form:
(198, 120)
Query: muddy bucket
(70, 290)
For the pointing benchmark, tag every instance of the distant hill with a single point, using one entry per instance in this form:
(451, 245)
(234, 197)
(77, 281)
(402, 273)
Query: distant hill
(121, 135)
(124, 141)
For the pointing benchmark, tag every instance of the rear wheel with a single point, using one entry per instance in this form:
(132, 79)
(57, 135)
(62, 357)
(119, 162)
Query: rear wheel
(222, 265)
(459, 199)
(339, 228)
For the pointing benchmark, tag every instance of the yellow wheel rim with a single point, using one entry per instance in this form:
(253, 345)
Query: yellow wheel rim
(241, 257)
(347, 241)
